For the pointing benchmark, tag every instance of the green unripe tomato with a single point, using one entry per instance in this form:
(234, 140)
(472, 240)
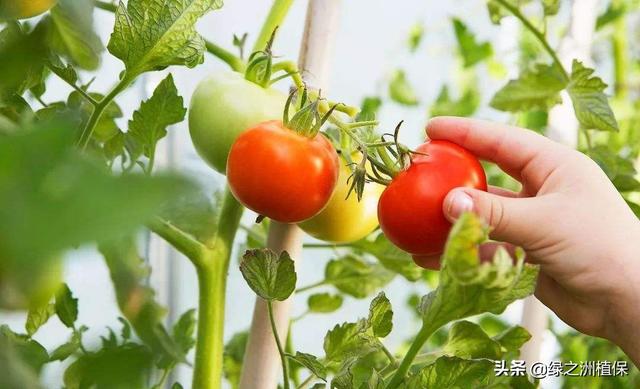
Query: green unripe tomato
(222, 107)
(23, 9)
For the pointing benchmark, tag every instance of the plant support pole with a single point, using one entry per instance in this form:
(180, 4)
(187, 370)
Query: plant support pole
(262, 367)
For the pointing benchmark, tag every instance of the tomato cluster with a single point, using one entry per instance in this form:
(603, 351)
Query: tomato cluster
(294, 177)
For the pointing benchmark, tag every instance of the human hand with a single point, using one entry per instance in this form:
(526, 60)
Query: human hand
(569, 219)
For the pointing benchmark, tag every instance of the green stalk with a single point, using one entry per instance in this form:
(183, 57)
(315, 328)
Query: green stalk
(425, 332)
(537, 33)
(212, 281)
(620, 55)
(276, 16)
(226, 56)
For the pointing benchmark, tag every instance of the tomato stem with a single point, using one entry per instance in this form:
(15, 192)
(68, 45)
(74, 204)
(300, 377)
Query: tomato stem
(87, 132)
(226, 56)
(537, 33)
(283, 358)
(82, 92)
(276, 16)
(421, 338)
(212, 280)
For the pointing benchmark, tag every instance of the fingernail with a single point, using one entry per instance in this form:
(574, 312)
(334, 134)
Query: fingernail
(459, 203)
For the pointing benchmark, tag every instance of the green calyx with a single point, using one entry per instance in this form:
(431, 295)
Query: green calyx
(307, 120)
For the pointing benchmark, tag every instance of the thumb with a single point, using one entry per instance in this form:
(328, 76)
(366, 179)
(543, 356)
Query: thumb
(510, 218)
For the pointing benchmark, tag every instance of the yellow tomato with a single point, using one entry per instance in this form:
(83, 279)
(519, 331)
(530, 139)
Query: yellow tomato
(346, 220)
(23, 9)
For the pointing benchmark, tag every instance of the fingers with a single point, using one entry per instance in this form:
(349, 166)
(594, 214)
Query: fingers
(523, 154)
(510, 218)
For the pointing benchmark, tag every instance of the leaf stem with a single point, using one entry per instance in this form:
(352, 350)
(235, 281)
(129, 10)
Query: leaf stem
(312, 286)
(276, 16)
(82, 92)
(98, 109)
(212, 282)
(106, 6)
(226, 56)
(306, 382)
(537, 33)
(283, 358)
(392, 359)
(421, 338)
(180, 240)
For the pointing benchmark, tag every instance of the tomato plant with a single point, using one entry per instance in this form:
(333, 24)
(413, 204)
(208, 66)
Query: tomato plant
(410, 208)
(282, 174)
(81, 174)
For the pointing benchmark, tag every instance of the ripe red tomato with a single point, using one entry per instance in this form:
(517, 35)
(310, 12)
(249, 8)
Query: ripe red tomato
(410, 208)
(281, 174)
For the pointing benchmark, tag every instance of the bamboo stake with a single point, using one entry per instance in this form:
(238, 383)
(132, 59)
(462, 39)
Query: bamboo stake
(261, 367)
(563, 128)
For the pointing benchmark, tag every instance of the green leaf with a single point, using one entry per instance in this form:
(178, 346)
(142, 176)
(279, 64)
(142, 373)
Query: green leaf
(126, 328)
(589, 102)
(416, 33)
(390, 257)
(467, 340)
(37, 317)
(401, 91)
(513, 338)
(61, 199)
(150, 35)
(311, 362)
(471, 51)
(324, 302)
(124, 366)
(614, 11)
(66, 306)
(21, 360)
(453, 372)
(381, 316)
(65, 350)
(71, 33)
(151, 120)
(538, 88)
(233, 357)
(184, 331)
(197, 214)
(493, 285)
(355, 276)
(348, 340)
(25, 349)
(465, 106)
(270, 276)
(66, 72)
(23, 56)
(136, 299)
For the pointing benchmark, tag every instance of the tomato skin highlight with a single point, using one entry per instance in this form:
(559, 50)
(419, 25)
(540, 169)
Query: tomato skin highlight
(344, 219)
(222, 107)
(410, 209)
(24, 9)
(281, 174)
